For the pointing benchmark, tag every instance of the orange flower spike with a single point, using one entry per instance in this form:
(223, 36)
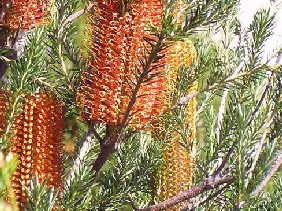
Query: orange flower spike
(114, 60)
(38, 143)
(148, 100)
(181, 54)
(48, 132)
(100, 89)
(26, 14)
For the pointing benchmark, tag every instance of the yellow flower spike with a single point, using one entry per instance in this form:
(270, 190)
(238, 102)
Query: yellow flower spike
(176, 175)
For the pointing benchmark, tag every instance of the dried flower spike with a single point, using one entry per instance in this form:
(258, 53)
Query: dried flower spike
(38, 143)
(25, 14)
(3, 111)
(176, 175)
(116, 48)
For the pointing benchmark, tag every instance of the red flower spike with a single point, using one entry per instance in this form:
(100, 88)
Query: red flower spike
(25, 14)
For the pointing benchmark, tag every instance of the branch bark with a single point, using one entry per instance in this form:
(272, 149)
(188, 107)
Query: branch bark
(210, 183)
(4, 9)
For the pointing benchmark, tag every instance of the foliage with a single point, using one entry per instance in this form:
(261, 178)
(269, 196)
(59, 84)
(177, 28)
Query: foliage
(238, 140)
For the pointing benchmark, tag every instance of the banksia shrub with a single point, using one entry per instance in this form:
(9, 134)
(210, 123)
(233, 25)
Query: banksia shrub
(25, 14)
(114, 68)
(38, 142)
(176, 175)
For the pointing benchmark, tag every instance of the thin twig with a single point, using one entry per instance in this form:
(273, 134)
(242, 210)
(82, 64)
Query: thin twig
(267, 86)
(268, 177)
(210, 183)
(258, 150)
(225, 80)
(132, 203)
(75, 15)
(82, 154)
(97, 136)
(223, 163)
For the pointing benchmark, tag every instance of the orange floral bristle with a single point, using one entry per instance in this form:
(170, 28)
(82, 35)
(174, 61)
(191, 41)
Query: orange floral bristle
(3, 111)
(37, 140)
(114, 64)
(25, 14)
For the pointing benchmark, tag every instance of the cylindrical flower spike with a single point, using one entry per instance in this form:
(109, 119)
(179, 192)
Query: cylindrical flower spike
(25, 14)
(176, 175)
(38, 142)
(117, 48)
(100, 89)
(148, 105)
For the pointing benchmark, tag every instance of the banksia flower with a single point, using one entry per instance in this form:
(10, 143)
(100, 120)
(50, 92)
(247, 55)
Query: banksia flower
(100, 88)
(176, 175)
(38, 143)
(25, 14)
(114, 64)
(180, 54)
(178, 12)
(148, 105)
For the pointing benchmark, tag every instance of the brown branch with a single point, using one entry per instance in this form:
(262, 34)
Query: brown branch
(210, 197)
(4, 9)
(210, 183)
(76, 15)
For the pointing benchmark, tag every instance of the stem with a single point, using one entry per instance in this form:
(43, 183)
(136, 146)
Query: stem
(4, 9)
(106, 151)
(268, 177)
(81, 157)
(76, 15)
(63, 65)
(212, 182)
